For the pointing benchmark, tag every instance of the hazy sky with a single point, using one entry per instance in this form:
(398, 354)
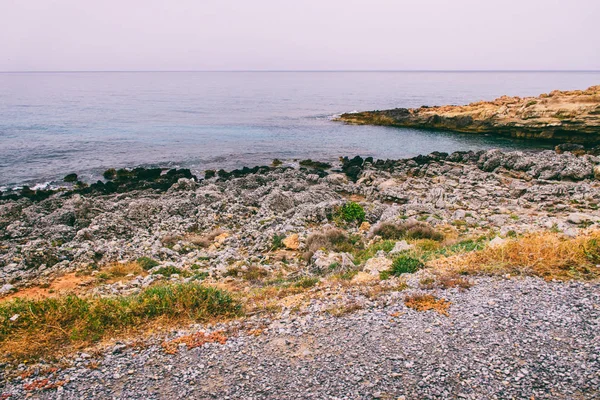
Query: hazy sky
(298, 35)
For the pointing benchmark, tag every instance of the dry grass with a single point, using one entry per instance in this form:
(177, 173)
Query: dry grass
(545, 254)
(343, 309)
(330, 239)
(193, 340)
(251, 273)
(50, 326)
(426, 302)
(452, 281)
(204, 240)
(119, 270)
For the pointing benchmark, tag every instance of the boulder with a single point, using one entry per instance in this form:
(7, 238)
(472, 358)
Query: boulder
(292, 242)
(401, 246)
(376, 265)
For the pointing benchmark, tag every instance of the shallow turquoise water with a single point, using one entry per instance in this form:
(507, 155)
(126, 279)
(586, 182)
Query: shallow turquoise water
(52, 124)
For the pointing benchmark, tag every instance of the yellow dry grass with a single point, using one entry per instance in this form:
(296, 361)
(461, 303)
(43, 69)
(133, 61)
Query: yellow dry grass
(545, 254)
(426, 302)
(118, 270)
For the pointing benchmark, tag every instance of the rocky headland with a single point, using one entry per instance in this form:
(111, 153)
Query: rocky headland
(464, 275)
(565, 116)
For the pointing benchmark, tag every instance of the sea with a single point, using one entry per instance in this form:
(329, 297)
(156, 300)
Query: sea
(56, 123)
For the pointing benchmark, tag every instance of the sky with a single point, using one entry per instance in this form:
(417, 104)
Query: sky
(123, 35)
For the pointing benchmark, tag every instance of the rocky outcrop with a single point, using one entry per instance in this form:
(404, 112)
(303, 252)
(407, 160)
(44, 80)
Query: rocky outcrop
(567, 116)
(221, 223)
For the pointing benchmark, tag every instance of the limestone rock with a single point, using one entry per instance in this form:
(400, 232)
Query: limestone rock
(292, 242)
(401, 246)
(376, 265)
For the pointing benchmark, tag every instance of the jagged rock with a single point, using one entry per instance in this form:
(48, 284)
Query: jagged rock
(401, 246)
(578, 218)
(377, 264)
(323, 262)
(292, 242)
(5, 289)
(497, 242)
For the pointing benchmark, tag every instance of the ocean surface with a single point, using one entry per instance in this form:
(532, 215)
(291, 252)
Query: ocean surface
(52, 124)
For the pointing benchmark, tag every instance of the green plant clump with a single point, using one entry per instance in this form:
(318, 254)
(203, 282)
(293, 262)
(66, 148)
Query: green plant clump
(171, 270)
(405, 264)
(351, 212)
(72, 318)
(306, 282)
(147, 263)
(277, 242)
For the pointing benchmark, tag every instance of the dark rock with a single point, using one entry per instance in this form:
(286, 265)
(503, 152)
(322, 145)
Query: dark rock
(110, 174)
(70, 178)
(315, 164)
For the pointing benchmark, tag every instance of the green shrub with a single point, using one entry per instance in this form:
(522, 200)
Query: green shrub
(200, 276)
(363, 255)
(405, 264)
(306, 282)
(277, 242)
(351, 212)
(171, 270)
(147, 263)
(110, 174)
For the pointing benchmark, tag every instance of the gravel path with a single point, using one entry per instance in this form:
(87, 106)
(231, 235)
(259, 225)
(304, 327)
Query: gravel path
(504, 339)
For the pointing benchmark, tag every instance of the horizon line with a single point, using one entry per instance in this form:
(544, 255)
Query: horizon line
(299, 70)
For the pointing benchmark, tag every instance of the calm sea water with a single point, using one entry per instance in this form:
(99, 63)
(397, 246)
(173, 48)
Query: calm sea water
(52, 124)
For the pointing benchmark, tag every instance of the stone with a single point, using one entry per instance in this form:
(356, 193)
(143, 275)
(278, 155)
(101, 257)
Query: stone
(292, 242)
(497, 242)
(596, 171)
(376, 265)
(323, 262)
(6, 288)
(401, 246)
(577, 218)
(364, 227)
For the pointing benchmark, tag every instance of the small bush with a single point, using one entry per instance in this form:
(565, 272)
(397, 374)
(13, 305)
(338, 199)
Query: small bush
(407, 230)
(306, 282)
(171, 270)
(363, 255)
(147, 263)
(277, 242)
(118, 270)
(331, 240)
(252, 273)
(200, 276)
(405, 265)
(110, 174)
(351, 212)
(204, 240)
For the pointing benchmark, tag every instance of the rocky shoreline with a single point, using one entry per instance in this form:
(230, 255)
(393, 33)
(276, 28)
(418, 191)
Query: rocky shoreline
(316, 233)
(565, 116)
(63, 230)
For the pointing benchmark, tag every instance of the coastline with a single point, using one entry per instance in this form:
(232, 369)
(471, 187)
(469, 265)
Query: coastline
(296, 250)
(565, 116)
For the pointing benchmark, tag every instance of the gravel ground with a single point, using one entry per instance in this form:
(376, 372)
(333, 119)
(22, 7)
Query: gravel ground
(504, 339)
